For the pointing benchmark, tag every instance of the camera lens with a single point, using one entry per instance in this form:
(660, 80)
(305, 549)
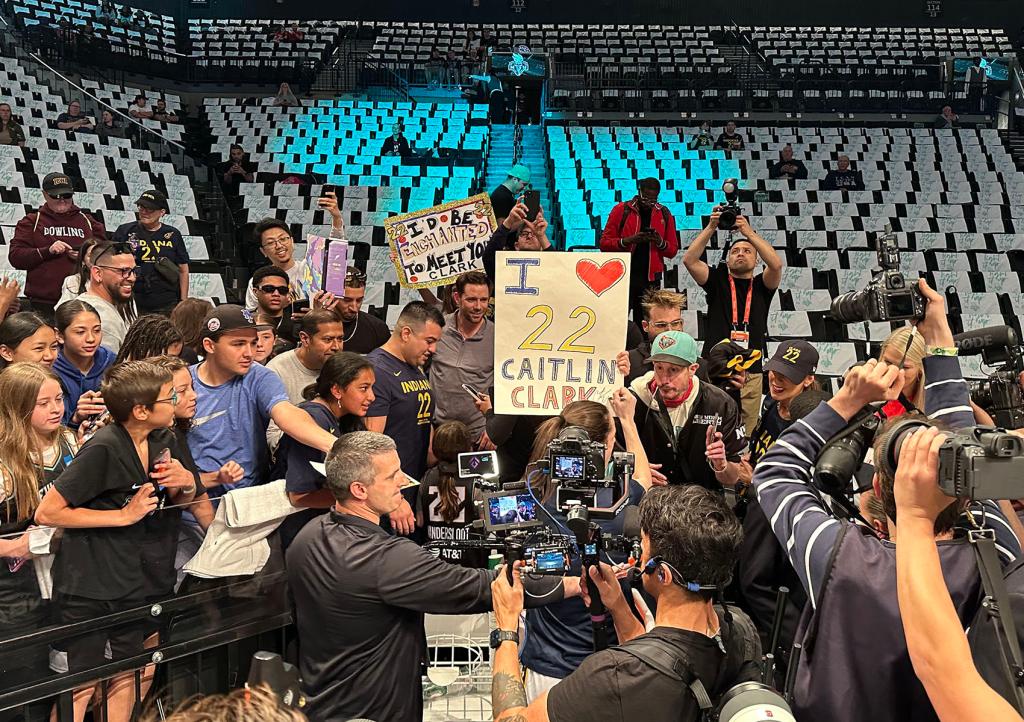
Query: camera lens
(727, 219)
(850, 307)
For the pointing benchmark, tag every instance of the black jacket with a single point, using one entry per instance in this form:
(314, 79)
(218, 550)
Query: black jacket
(683, 454)
(501, 240)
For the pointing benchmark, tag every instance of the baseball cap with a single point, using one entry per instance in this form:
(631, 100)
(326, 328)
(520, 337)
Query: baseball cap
(228, 317)
(674, 347)
(521, 172)
(55, 183)
(794, 359)
(727, 357)
(154, 200)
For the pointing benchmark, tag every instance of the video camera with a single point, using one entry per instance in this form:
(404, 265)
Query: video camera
(889, 296)
(575, 465)
(729, 212)
(1000, 394)
(979, 462)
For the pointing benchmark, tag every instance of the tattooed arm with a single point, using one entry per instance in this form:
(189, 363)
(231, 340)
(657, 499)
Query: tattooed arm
(508, 696)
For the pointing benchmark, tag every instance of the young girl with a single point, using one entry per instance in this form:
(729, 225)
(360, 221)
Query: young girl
(26, 336)
(338, 402)
(81, 361)
(34, 449)
(188, 318)
(446, 501)
(150, 335)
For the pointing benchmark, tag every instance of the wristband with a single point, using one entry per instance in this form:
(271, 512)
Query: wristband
(943, 351)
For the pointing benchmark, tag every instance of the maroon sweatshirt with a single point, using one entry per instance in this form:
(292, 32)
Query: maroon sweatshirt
(30, 248)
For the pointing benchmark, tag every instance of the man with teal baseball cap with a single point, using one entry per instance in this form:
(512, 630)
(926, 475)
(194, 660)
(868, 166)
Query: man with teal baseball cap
(504, 197)
(691, 427)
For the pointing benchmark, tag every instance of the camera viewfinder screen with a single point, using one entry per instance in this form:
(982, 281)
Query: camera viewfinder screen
(590, 549)
(479, 463)
(518, 509)
(568, 467)
(901, 305)
(550, 562)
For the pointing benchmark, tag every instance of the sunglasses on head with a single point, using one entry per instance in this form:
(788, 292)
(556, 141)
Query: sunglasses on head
(283, 290)
(355, 274)
(114, 249)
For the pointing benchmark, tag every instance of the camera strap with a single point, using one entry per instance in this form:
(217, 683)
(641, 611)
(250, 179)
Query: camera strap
(664, 657)
(997, 604)
(735, 305)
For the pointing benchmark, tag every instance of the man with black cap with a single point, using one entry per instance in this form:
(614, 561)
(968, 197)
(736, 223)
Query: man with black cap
(236, 399)
(46, 242)
(161, 254)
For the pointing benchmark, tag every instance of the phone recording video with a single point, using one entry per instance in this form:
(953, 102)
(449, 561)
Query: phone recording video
(532, 201)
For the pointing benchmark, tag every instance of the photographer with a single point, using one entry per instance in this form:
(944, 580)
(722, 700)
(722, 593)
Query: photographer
(645, 229)
(360, 593)
(846, 571)
(690, 540)
(935, 638)
(738, 301)
(559, 636)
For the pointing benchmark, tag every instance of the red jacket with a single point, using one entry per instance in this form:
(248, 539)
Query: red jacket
(624, 221)
(30, 248)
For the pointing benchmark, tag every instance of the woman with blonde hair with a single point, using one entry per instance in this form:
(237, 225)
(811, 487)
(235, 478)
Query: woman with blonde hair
(906, 348)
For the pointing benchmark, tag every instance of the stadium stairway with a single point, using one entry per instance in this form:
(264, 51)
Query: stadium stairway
(1014, 142)
(531, 150)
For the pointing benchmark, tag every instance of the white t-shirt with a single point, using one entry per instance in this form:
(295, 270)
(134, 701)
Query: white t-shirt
(295, 376)
(114, 326)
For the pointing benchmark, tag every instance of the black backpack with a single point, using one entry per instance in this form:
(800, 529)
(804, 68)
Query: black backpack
(986, 647)
(742, 644)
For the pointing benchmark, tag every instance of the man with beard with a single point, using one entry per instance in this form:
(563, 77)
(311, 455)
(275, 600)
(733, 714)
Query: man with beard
(363, 331)
(111, 282)
(738, 301)
(465, 356)
(46, 242)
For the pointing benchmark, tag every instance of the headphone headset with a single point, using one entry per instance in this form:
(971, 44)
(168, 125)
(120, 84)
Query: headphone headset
(654, 565)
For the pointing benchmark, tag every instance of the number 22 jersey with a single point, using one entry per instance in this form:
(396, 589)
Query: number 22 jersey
(403, 394)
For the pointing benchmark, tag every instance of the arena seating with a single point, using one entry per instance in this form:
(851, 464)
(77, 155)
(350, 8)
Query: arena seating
(155, 38)
(109, 175)
(954, 198)
(231, 42)
(339, 142)
(121, 97)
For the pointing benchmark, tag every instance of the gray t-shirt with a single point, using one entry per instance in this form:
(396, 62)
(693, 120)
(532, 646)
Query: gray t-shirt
(295, 376)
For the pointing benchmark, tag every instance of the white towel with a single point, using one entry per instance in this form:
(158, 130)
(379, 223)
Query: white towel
(236, 542)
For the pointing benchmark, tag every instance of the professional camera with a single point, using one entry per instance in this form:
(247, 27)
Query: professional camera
(1000, 394)
(753, 702)
(575, 464)
(889, 296)
(979, 462)
(729, 212)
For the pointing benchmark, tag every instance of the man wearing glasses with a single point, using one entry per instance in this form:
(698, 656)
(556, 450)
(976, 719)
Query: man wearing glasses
(277, 245)
(161, 253)
(663, 311)
(111, 282)
(46, 242)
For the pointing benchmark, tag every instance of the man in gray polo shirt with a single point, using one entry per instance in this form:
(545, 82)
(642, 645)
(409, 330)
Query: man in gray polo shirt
(465, 355)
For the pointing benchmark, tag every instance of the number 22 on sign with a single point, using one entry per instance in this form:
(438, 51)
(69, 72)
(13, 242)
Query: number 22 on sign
(569, 345)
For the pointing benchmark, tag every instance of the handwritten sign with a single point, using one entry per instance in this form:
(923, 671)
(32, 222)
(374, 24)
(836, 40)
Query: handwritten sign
(324, 267)
(561, 321)
(436, 244)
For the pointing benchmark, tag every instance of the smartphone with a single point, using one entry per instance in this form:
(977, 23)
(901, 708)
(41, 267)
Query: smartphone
(301, 305)
(713, 428)
(532, 201)
(471, 391)
(328, 188)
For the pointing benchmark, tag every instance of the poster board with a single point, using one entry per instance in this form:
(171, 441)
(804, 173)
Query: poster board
(324, 267)
(434, 245)
(561, 321)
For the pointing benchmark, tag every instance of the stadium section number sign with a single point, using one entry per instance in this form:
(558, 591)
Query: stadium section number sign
(434, 245)
(561, 321)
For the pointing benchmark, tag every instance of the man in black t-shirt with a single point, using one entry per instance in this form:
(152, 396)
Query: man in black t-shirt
(155, 244)
(733, 311)
(843, 178)
(363, 332)
(730, 139)
(788, 167)
(690, 540)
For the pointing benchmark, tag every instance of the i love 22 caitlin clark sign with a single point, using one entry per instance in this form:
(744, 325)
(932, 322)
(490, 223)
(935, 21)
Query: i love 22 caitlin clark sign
(561, 320)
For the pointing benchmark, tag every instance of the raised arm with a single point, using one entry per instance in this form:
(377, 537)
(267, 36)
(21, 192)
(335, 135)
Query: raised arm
(299, 425)
(623, 405)
(695, 266)
(772, 260)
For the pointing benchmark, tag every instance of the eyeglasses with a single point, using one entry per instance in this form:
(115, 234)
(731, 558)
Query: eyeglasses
(675, 325)
(61, 196)
(283, 290)
(172, 399)
(125, 272)
(276, 242)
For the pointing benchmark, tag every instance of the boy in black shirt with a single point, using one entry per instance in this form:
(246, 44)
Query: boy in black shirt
(104, 501)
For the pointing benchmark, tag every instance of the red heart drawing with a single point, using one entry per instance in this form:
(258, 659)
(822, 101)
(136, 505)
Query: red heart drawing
(600, 278)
